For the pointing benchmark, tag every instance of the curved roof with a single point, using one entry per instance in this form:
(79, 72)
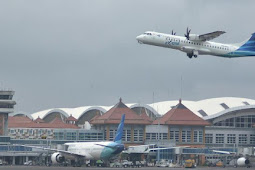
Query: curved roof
(131, 106)
(202, 108)
(21, 113)
(75, 112)
(229, 110)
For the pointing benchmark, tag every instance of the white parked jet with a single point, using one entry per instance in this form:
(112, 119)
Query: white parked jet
(241, 162)
(77, 152)
(195, 45)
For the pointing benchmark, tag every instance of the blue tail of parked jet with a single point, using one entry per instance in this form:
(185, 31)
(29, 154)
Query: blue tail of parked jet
(118, 137)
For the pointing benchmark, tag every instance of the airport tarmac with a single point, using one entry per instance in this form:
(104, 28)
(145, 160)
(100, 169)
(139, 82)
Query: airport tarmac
(95, 168)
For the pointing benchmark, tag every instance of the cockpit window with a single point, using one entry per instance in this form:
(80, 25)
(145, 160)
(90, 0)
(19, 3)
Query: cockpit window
(146, 33)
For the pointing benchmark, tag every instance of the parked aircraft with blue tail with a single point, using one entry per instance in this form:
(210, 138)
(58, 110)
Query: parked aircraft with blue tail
(78, 152)
(194, 44)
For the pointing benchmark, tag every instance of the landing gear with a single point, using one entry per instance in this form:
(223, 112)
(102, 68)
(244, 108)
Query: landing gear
(191, 55)
(77, 163)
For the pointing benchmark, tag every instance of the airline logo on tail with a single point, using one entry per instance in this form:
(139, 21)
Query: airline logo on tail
(248, 48)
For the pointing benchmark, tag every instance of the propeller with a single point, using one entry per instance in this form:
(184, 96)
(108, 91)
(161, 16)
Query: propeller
(187, 33)
(173, 33)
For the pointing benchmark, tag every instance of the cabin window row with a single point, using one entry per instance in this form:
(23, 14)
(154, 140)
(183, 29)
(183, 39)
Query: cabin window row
(205, 45)
(194, 43)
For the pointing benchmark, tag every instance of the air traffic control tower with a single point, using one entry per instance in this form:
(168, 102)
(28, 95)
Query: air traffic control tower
(6, 107)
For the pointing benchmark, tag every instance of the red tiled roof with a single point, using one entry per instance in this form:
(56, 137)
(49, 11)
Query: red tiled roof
(24, 122)
(181, 115)
(19, 119)
(39, 120)
(113, 116)
(71, 118)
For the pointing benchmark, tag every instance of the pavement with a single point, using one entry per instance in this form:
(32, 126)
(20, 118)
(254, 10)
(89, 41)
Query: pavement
(96, 168)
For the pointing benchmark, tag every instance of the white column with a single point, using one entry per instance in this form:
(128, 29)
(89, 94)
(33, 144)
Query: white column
(13, 160)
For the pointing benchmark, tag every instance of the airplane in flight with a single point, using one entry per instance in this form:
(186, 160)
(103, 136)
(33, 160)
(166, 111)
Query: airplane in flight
(78, 152)
(194, 44)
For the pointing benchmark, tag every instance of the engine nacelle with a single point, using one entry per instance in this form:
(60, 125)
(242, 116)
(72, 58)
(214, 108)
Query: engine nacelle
(194, 37)
(57, 158)
(242, 161)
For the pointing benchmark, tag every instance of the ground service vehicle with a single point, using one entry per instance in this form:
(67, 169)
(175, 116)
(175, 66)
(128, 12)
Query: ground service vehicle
(190, 163)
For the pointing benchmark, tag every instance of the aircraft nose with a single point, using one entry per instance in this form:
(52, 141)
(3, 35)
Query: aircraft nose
(139, 38)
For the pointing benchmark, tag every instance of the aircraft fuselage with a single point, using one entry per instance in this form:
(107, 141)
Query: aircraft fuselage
(192, 48)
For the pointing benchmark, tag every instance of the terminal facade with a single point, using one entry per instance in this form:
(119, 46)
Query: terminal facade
(223, 115)
(216, 123)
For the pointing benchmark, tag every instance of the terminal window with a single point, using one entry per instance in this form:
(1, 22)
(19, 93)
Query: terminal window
(252, 139)
(242, 138)
(112, 134)
(208, 138)
(241, 121)
(231, 138)
(126, 135)
(138, 135)
(219, 138)
(186, 136)
(198, 136)
(174, 135)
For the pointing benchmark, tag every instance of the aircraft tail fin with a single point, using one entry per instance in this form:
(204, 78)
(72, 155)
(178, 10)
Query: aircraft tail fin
(248, 45)
(118, 137)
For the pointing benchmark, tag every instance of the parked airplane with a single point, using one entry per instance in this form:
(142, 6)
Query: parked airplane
(194, 44)
(241, 161)
(78, 152)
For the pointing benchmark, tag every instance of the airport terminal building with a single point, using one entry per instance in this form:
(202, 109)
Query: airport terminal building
(230, 120)
(216, 123)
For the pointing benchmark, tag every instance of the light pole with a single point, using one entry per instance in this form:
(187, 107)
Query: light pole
(158, 140)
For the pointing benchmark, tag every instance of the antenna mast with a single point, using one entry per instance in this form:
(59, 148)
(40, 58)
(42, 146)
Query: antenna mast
(181, 86)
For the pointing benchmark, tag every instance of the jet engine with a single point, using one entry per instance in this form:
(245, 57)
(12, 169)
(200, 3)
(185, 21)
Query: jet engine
(57, 158)
(243, 161)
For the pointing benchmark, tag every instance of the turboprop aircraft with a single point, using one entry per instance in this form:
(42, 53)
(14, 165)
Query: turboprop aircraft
(194, 44)
(78, 152)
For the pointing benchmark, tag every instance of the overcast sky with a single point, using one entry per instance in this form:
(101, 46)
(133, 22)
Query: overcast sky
(79, 53)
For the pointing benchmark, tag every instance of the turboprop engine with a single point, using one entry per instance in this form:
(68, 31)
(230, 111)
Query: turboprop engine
(191, 37)
(243, 161)
(57, 158)
(194, 37)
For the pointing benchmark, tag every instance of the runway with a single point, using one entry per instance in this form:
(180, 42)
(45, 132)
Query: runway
(96, 168)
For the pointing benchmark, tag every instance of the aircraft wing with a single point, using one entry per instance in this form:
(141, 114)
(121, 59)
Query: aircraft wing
(224, 152)
(210, 36)
(55, 150)
(155, 149)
